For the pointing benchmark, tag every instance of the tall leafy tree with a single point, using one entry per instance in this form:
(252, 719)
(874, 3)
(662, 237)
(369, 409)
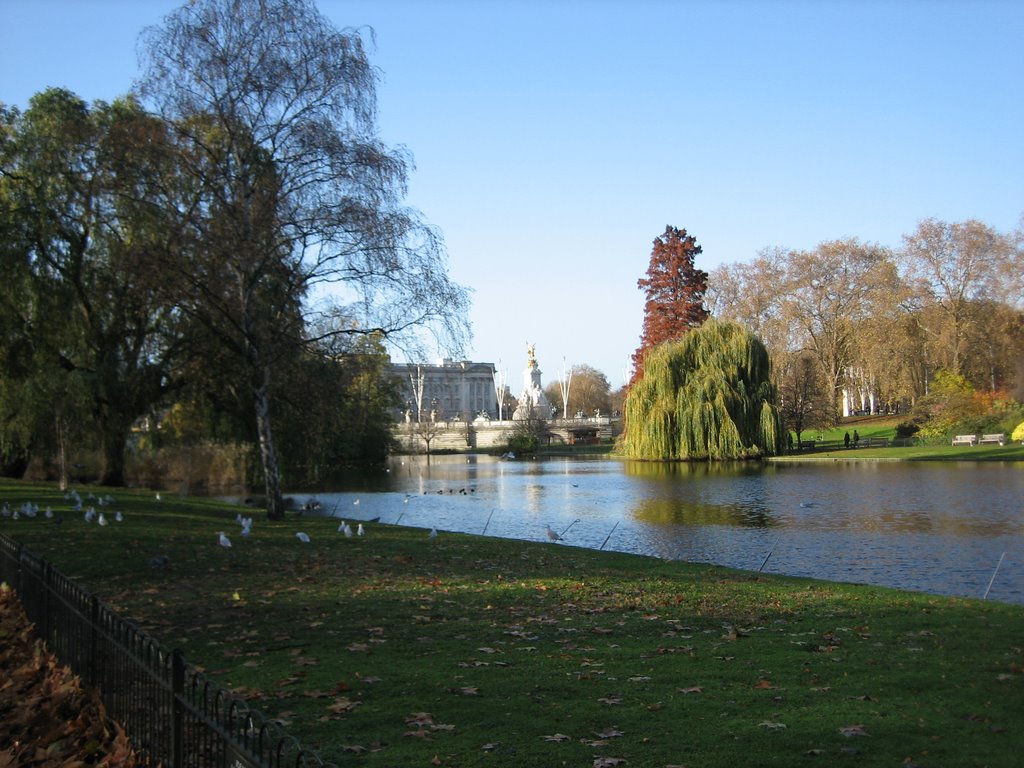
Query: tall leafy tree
(674, 288)
(274, 112)
(337, 409)
(86, 252)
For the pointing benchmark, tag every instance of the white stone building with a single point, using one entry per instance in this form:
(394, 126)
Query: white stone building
(447, 390)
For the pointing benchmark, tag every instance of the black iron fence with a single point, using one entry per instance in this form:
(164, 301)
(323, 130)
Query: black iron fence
(172, 714)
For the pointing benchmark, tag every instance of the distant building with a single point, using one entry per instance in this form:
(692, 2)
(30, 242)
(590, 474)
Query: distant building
(447, 390)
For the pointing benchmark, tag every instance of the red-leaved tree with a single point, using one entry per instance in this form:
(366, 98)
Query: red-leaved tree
(675, 293)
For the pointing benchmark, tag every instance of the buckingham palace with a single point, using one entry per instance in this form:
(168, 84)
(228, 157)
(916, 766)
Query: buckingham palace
(447, 390)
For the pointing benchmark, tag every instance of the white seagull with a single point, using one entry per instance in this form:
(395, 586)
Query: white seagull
(360, 530)
(101, 519)
(303, 537)
(224, 541)
(433, 533)
(552, 535)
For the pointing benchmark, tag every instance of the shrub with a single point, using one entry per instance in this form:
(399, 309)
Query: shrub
(907, 429)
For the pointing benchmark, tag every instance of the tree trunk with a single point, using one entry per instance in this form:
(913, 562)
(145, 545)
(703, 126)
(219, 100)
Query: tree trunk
(268, 453)
(115, 438)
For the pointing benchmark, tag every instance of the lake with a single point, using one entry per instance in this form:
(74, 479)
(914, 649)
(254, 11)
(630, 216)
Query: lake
(939, 527)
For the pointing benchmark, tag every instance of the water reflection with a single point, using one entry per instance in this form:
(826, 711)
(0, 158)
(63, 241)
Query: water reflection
(683, 512)
(909, 525)
(705, 493)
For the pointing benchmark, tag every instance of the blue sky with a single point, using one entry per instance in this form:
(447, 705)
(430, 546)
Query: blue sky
(554, 140)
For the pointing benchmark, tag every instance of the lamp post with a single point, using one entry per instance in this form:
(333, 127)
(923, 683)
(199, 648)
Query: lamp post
(564, 384)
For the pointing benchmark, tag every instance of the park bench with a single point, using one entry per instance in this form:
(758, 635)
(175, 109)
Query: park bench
(1000, 438)
(965, 440)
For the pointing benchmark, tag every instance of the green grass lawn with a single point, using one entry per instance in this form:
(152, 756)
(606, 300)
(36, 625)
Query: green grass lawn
(866, 426)
(395, 649)
(869, 427)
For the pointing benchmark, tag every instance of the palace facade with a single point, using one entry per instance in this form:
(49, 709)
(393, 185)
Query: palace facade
(447, 390)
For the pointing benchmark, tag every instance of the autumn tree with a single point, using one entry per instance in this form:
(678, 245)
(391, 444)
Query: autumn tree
(674, 290)
(590, 392)
(955, 269)
(830, 292)
(752, 293)
(283, 187)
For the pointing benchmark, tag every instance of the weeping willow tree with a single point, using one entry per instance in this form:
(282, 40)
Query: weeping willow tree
(707, 395)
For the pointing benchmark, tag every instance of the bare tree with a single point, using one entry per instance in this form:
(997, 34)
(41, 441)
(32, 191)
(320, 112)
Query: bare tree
(830, 291)
(802, 403)
(953, 267)
(284, 186)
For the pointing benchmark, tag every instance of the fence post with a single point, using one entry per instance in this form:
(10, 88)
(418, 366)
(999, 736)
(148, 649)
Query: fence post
(177, 693)
(94, 630)
(19, 575)
(45, 621)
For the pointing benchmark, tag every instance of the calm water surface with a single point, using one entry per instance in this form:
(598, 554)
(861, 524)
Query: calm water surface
(937, 527)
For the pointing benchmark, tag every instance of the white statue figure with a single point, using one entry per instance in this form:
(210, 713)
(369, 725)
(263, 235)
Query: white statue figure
(533, 403)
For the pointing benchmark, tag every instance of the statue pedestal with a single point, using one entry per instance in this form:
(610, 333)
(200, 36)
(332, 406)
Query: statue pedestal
(533, 403)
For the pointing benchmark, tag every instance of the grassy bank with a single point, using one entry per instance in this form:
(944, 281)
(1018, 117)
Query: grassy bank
(396, 649)
(884, 427)
(1009, 452)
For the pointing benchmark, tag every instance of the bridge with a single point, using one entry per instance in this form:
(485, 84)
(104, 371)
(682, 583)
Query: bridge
(486, 434)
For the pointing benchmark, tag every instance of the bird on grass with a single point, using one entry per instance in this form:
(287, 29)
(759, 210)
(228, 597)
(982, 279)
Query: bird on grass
(433, 533)
(552, 535)
(360, 531)
(303, 537)
(101, 519)
(224, 541)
